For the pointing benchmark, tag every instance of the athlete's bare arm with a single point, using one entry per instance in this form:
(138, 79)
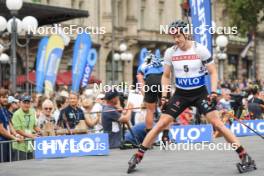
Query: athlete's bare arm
(214, 76)
(165, 79)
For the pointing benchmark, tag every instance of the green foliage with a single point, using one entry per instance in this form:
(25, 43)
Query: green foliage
(245, 14)
(36, 1)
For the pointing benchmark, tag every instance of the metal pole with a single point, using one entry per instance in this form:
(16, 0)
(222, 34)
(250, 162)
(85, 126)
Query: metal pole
(221, 69)
(113, 39)
(13, 55)
(27, 65)
(255, 61)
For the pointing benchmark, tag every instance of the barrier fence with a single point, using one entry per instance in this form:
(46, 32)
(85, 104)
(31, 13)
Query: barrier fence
(97, 143)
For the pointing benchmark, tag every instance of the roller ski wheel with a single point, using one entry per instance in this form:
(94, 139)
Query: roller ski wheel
(246, 165)
(132, 163)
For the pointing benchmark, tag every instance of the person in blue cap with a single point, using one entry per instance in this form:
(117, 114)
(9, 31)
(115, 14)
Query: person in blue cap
(113, 116)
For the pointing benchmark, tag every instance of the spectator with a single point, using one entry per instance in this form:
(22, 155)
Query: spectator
(37, 104)
(61, 104)
(112, 118)
(46, 122)
(71, 116)
(97, 107)
(224, 102)
(255, 104)
(7, 131)
(13, 105)
(87, 105)
(25, 124)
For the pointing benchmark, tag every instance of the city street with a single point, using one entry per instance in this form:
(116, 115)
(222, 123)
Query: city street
(156, 163)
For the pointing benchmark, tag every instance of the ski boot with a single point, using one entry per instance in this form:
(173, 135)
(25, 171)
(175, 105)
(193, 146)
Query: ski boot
(132, 163)
(247, 164)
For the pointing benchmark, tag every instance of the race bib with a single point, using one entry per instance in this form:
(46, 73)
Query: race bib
(190, 82)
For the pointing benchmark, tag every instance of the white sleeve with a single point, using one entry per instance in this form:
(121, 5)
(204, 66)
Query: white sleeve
(168, 56)
(204, 54)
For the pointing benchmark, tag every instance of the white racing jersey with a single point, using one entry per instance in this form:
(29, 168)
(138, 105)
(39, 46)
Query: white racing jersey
(189, 66)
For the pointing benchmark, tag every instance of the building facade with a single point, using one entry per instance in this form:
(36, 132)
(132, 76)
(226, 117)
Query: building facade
(137, 23)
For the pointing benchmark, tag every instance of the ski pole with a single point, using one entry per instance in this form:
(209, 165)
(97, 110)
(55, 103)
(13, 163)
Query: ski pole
(240, 121)
(113, 110)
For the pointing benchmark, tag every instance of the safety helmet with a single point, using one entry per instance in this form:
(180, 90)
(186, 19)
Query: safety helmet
(178, 25)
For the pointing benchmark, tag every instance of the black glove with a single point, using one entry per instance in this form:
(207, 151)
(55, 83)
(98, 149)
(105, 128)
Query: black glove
(164, 103)
(212, 99)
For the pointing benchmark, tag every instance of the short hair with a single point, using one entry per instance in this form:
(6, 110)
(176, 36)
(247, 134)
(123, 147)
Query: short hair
(60, 100)
(47, 102)
(74, 93)
(3, 92)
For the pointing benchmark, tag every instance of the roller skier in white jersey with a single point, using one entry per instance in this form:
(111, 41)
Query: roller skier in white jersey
(190, 61)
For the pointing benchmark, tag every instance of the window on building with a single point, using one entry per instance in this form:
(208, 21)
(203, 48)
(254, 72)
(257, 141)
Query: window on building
(73, 4)
(81, 7)
(161, 10)
(120, 14)
(118, 70)
(142, 14)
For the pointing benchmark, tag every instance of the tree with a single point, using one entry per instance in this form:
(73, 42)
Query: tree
(245, 14)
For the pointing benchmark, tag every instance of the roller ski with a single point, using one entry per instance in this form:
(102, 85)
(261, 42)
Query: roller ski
(133, 162)
(246, 165)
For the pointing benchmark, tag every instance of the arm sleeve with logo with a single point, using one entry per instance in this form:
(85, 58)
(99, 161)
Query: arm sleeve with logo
(204, 54)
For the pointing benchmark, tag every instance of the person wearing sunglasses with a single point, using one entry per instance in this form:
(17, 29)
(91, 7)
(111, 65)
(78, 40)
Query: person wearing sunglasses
(46, 117)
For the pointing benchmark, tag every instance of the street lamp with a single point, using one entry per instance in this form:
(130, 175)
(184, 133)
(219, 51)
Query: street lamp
(221, 43)
(123, 56)
(15, 26)
(4, 59)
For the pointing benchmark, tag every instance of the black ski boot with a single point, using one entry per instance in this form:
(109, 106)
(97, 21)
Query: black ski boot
(247, 164)
(132, 163)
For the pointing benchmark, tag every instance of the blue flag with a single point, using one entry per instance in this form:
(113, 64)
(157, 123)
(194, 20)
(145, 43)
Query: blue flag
(202, 19)
(81, 49)
(90, 63)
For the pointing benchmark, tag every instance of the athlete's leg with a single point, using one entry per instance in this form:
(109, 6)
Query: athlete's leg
(150, 108)
(214, 119)
(164, 121)
(212, 116)
(247, 164)
(176, 105)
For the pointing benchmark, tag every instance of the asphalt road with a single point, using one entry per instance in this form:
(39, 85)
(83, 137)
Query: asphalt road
(155, 163)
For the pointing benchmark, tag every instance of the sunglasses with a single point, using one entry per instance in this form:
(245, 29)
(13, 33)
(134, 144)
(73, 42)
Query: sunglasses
(48, 109)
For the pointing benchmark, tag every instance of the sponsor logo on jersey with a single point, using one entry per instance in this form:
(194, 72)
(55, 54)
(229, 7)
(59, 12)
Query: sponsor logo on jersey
(185, 57)
(190, 82)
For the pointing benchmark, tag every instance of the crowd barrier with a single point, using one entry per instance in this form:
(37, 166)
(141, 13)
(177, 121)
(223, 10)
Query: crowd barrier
(97, 143)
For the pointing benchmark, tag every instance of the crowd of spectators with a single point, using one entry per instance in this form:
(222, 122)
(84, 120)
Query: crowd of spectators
(26, 117)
